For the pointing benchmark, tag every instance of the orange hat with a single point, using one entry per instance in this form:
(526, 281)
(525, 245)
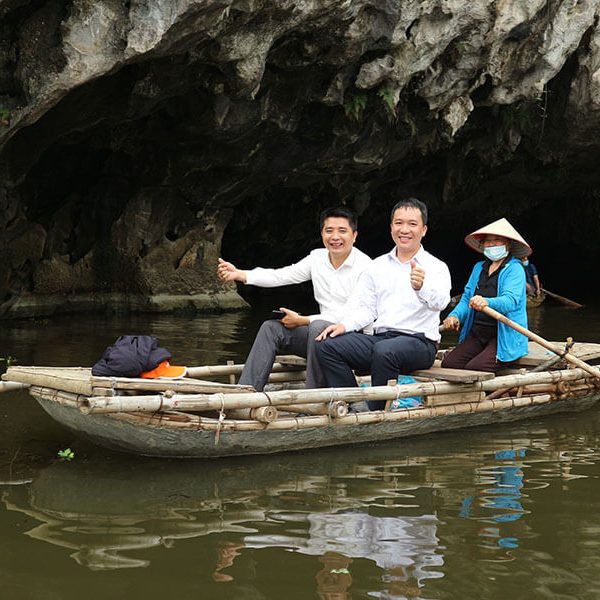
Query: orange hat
(519, 247)
(165, 370)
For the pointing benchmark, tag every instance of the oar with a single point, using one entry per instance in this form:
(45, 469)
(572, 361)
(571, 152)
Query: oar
(534, 337)
(562, 299)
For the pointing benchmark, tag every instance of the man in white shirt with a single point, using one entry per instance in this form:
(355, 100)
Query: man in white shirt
(403, 292)
(334, 271)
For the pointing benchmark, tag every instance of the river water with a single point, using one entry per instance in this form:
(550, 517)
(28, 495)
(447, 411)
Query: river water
(509, 511)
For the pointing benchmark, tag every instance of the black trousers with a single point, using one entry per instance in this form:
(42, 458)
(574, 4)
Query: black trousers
(385, 355)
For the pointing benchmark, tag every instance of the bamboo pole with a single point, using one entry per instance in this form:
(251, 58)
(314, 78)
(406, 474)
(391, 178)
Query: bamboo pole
(231, 375)
(335, 409)
(235, 369)
(264, 414)
(11, 386)
(543, 367)
(208, 402)
(287, 376)
(162, 385)
(364, 418)
(196, 422)
(534, 337)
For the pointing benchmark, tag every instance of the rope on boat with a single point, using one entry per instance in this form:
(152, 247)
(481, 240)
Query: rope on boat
(222, 417)
(330, 409)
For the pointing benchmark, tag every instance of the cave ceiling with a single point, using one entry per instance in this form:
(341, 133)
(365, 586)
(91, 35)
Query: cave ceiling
(140, 140)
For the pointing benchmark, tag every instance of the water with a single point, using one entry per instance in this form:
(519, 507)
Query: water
(496, 512)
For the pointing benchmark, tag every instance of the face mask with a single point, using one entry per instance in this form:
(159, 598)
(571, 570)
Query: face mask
(525, 263)
(495, 253)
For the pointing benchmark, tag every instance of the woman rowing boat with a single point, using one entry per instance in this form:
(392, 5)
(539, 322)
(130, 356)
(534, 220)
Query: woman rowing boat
(497, 282)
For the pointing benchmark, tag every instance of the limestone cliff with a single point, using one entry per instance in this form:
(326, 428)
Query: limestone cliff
(132, 131)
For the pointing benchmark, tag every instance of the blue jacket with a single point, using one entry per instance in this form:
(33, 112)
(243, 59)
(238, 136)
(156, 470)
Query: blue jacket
(510, 301)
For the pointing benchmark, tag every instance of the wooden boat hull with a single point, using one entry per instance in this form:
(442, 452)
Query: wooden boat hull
(186, 436)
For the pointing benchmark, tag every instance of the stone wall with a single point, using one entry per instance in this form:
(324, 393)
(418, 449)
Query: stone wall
(135, 135)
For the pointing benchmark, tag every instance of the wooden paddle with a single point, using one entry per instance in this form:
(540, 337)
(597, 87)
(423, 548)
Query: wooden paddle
(562, 299)
(534, 337)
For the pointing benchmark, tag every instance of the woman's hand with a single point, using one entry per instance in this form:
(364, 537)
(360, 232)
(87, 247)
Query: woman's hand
(478, 302)
(451, 323)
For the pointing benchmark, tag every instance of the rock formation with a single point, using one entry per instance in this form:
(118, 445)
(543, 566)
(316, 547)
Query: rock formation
(133, 133)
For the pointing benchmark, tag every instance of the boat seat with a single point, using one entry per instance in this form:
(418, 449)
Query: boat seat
(443, 374)
(453, 375)
(439, 373)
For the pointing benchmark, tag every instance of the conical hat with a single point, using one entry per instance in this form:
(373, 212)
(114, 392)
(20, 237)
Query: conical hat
(519, 247)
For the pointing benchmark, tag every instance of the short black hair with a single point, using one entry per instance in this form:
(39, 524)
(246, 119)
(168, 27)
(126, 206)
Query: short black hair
(411, 203)
(342, 212)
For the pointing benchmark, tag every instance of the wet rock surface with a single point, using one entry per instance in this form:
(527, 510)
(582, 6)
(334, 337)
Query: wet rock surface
(139, 140)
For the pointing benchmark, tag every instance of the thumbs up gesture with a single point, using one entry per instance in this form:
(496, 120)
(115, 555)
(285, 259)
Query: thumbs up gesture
(417, 275)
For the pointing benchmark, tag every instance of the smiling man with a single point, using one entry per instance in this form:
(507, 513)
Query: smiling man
(403, 293)
(334, 271)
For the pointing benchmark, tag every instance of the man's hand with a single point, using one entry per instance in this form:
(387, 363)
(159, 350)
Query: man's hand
(417, 275)
(228, 272)
(292, 319)
(451, 323)
(331, 331)
(478, 302)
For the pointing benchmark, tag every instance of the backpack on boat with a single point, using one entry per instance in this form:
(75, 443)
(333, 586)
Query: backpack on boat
(130, 356)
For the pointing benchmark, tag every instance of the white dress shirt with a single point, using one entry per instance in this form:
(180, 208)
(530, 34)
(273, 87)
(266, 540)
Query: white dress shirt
(386, 296)
(332, 287)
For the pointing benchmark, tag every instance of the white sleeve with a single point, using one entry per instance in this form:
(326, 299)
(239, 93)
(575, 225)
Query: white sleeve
(296, 273)
(361, 308)
(435, 292)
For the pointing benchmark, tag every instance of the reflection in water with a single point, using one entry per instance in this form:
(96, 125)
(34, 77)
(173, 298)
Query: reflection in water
(535, 319)
(405, 548)
(334, 579)
(500, 503)
(106, 514)
(375, 525)
(226, 553)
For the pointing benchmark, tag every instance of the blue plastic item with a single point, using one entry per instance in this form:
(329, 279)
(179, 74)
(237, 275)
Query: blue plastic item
(410, 401)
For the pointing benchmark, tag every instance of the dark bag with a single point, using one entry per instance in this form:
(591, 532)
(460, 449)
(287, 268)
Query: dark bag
(129, 356)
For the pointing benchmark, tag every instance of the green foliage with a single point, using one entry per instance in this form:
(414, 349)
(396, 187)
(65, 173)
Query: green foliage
(355, 106)
(9, 360)
(388, 95)
(66, 454)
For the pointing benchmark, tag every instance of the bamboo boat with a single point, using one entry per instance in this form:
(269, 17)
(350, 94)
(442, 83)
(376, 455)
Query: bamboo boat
(535, 301)
(199, 418)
